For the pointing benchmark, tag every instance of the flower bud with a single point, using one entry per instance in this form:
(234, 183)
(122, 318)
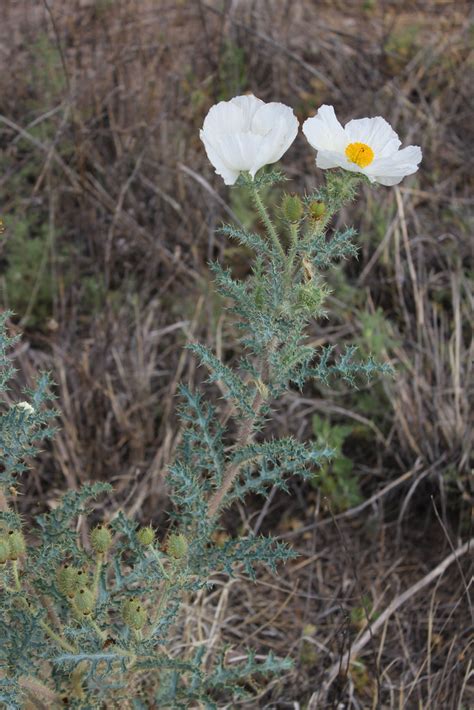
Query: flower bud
(101, 538)
(69, 579)
(4, 550)
(146, 536)
(177, 546)
(310, 297)
(317, 210)
(292, 208)
(133, 614)
(16, 543)
(84, 601)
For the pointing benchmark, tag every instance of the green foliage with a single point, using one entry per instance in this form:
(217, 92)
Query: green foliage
(94, 620)
(232, 71)
(336, 478)
(29, 288)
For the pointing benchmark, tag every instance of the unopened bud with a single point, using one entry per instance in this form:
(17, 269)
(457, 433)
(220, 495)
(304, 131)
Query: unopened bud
(101, 538)
(16, 543)
(69, 579)
(133, 614)
(4, 550)
(84, 601)
(292, 208)
(177, 546)
(317, 210)
(146, 536)
(311, 297)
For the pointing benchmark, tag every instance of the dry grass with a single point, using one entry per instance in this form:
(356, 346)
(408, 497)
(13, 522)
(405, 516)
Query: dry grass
(100, 107)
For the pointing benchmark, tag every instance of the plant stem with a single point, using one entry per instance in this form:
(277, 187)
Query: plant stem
(36, 687)
(3, 502)
(46, 628)
(244, 436)
(265, 217)
(16, 575)
(156, 555)
(98, 567)
(294, 229)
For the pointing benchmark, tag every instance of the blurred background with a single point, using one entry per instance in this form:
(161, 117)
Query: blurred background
(110, 208)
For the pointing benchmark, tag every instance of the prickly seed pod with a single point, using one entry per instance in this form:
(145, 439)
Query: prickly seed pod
(4, 550)
(146, 536)
(292, 208)
(133, 614)
(101, 538)
(16, 543)
(69, 580)
(317, 210)
(177, 546)
(84, 601)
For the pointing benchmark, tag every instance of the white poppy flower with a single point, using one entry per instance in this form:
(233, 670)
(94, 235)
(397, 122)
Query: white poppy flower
(26, 407)
(366, 145)
(245, 133)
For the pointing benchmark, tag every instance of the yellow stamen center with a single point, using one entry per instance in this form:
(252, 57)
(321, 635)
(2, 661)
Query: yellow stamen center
(360, 154)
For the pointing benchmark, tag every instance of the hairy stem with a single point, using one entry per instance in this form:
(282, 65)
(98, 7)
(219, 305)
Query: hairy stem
(265, 217)
(3, 502)
(99, 560)
(244, 436)
(36, 688)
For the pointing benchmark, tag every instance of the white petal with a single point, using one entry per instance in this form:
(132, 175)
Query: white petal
(392, 170)
(248, 105)
(324, 132)
(224, 117)
(376, 133)
(229, 175)
(278, 127)
(332, 159)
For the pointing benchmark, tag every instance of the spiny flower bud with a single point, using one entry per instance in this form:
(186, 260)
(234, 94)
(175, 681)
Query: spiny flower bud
(133, 614)
(69, 579)
(16, 543)
(317, 210)
(146, 536)
(311, 297)
(101, 538)
(177, 546)
(292, 208)
(4, 550)
(84, 601)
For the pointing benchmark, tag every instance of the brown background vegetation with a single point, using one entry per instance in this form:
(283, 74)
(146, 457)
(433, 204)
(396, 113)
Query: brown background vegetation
(111, 208)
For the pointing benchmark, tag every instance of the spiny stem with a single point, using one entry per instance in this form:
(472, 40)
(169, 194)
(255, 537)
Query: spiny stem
(244, 436)
(16, 575)
(36, 687)
(46, 628)
(101, 634)
(294, 230)
(265, 217)
(156, 555)
(96, 580)
(3, 502)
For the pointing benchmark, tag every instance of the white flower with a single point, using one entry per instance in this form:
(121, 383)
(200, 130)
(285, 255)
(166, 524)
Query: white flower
(26, 407)
(245, 133)
(366, 145)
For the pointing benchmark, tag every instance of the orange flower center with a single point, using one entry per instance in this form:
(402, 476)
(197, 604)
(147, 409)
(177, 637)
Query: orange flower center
(360, 154)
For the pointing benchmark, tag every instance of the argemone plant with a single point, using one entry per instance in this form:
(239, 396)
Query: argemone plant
(94, 618)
